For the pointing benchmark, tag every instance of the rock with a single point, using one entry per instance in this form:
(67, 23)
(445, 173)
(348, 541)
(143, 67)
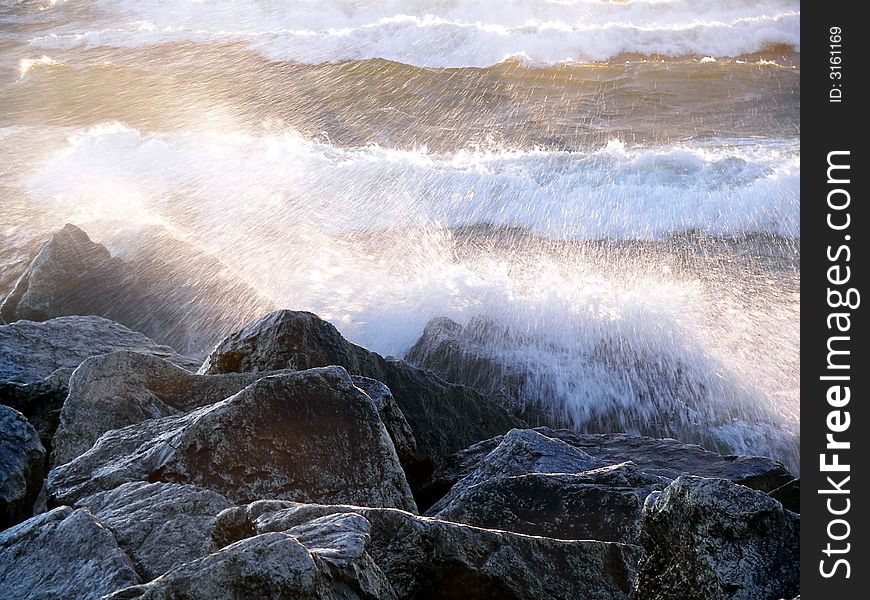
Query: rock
(310, 436)
(710, 538)
(324, 559)
(428, 558)
(31, 352)
(789, 495)
(159, 525)
(459, 355)
(40, 401)
(66, 277)
(541, 486)
(390, 413)
(64, 553)
(444, 417)
(72, 275)
(118, 389)
(602, 382)
(22, 467)
(660, 457)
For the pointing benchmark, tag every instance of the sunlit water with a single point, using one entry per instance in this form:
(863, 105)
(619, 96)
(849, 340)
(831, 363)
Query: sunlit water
(616, 184)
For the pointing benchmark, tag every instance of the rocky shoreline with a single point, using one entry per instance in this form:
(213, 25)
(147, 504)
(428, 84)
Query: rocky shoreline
(291, 463)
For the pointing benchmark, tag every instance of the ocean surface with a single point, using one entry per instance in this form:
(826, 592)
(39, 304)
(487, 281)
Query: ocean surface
(615, 182)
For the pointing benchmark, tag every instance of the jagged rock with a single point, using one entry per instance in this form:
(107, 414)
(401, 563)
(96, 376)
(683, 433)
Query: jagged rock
(118, 389)
(444, 417)
(64, 553)
(541, 486)
(159, 525)
(661, 457)
(324, 559)
(789, 495)
(310, 436)
(30, 351)
(22, 466)
(72, 275)
(713, 539)
(390, 413)
(428, 558)
(66, 277)
(606, 383)
(40, 401)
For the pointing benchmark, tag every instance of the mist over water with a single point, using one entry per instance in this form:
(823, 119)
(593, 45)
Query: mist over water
(612, 187)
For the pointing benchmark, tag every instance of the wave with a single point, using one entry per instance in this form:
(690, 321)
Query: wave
(724, 187)
(457, 33)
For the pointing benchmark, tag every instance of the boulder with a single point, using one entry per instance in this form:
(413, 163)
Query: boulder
(666, 458)
(114, 390)
(429, 558)
(68, 276)
(40, 401)
(22, 467)
(309, 436)
(72, 275)
(540, 486)
(64, 553)
(31, 352)
(603, 381)
(444, 417)
(324, 559)
(711, 538)
(160, 526)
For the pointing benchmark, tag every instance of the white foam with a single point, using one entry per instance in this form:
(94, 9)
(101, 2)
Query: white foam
(445, 33)
(291, 217)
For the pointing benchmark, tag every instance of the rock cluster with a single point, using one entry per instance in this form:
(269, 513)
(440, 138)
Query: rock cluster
(294, 464)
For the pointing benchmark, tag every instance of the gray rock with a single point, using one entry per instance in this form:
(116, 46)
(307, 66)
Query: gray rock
(40, 401)
(22, 467)
(159, 525)
(444, 417)
(661, 457)
(613, 384)
(540, 486)
(30, 351)
(710, 538)
(62, 279)
(310, 436)
(390, 413)
(428, 558)
(72, 275)
(118, 389)
(324, 559)
(64, 553)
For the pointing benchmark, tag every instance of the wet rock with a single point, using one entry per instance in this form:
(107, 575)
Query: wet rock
(789, 495)
(607, 383)
(444, 417)
(428, 558)
(64, 553)
(40, 401)
(66, 277)
(710, 538)
(310, 436)
(31, 352)
(118, 389)
(324, 559)
(666, 458)
(72, 275)
(390, 413)
(159, 525)
(540, 486)
(22, 467)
